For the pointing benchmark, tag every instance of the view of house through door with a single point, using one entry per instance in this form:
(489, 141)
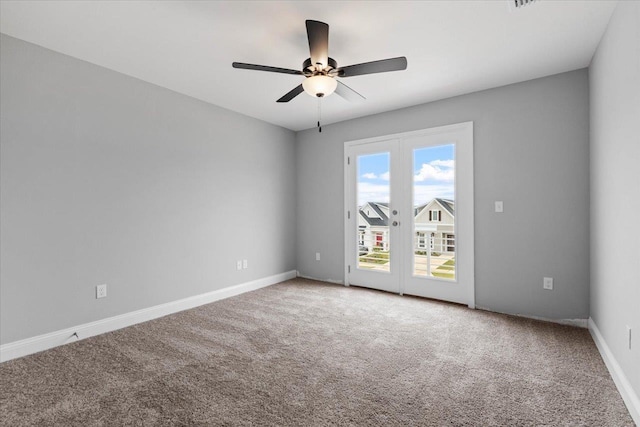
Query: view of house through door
(433, 207)
(403, 219)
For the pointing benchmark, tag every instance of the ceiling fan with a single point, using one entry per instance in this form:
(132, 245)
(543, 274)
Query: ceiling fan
(320, 71)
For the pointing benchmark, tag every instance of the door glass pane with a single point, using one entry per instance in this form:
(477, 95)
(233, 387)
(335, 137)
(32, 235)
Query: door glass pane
(373, 193)
(434, 239)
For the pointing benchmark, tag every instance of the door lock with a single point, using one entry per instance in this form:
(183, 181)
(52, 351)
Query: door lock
(395, 212)
(395, 223)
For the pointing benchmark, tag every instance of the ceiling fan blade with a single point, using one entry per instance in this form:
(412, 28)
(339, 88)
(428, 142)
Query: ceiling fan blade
(382, 66)
(349, 94)
(318, 35)
(291, 94)
(265, 68)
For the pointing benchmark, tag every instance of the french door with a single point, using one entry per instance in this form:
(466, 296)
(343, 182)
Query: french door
(409, 213)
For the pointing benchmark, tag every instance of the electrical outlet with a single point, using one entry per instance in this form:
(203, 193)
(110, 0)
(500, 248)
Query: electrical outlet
(101, 291)
(245, 263)
(317, 256)
(499, 206)
(238, 265)
(629, 337)
(547, 283)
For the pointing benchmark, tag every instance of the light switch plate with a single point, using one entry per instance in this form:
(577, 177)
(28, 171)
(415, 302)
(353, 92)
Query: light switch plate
(499, 206)
(547, 283)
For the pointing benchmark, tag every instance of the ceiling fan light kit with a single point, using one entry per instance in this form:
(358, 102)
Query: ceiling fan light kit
(320, 71)
(319, 86)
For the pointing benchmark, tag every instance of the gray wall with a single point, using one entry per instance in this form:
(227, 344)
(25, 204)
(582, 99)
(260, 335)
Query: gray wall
(108, 179)
(614, 78)
(531, 150)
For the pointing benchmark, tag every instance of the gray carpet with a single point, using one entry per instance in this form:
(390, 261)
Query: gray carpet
(306, 353)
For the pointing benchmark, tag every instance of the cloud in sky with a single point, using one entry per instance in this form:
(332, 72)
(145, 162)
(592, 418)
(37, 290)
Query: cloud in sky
(370, 175)
(427, 192)
(436, 170)
(422, 193)
(446, 163)
(434, 179)
(368, 192)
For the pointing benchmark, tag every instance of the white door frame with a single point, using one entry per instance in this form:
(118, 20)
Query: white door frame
(464, 198)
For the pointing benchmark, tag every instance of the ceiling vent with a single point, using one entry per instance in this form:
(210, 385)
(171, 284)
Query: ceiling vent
(519, 4)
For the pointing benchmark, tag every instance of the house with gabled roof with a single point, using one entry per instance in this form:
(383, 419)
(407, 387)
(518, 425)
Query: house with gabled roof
(373, 226)
(434, 226)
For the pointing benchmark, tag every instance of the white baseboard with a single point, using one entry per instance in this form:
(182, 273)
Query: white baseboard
(580, 323)
(337, 282)
(619, 378)
(53, 339)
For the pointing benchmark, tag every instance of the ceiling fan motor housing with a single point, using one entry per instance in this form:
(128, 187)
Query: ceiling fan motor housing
(309, 69)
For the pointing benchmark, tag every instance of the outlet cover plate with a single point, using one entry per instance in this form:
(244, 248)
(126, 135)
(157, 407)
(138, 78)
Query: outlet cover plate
(101, 291)
(547, 283)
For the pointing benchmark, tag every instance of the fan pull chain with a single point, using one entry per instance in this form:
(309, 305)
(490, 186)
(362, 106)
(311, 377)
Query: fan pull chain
(319, 115)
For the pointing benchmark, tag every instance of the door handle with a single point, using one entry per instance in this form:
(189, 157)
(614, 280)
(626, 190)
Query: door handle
(395, 223)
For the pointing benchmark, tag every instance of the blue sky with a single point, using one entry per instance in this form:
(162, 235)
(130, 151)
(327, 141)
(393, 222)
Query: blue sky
(433, 170)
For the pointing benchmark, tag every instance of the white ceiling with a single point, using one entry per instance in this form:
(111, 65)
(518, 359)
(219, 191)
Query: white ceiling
(452, 47)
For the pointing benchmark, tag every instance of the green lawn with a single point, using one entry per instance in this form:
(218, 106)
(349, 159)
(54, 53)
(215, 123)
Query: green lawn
(376, 258)
(446, 270)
